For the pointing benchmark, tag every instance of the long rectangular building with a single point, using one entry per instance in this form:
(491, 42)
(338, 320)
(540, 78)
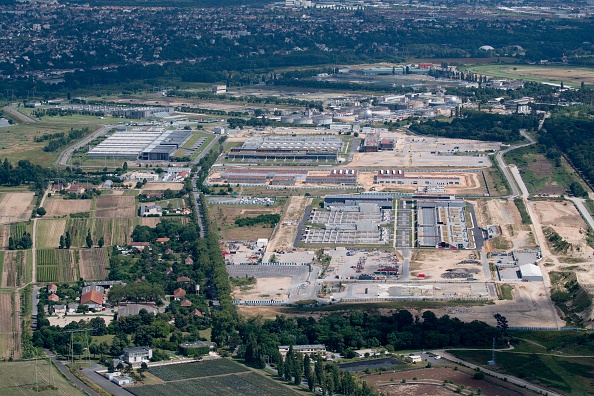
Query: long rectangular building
(289, 147)
(393, 176)
(152, 144)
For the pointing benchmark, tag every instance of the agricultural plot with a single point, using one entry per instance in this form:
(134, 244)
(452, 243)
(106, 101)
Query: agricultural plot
(93, 264)
(60, 207)
(211, 378)
(55, 265)
(103, 228)
(48, 233)
(209, 368)
(122, 230)
(175, 203)
(129, 211)
(78, 229)
(19, 229)
(115, 201)
(10, 326)
(15, 206)
(15, 269)
(19, 379)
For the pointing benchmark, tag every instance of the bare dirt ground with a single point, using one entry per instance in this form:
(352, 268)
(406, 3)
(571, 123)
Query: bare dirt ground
(129, 211)
(60, 207)
(564, 218)
(246, 233)
(111, 201)
(434, 263)
(162, 186)
(4, 235)
(65, 320)
(469, 182)
(150, 221)
(265, 288)
(283, 236)
(505, 214)
(16, 207)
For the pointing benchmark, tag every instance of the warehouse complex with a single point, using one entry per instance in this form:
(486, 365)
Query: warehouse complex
(393, 176)
(442, 224)
(153, 144)
(350, 220)
(288, 147)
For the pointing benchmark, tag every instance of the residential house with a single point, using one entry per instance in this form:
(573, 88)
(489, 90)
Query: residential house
(179, 293)
(140, 245)
(189, 261)
(162, 240)
(184, 279)
(186, 303)
(134, 309)
(151, 210)
(305, 349)
(60, 309)
(72, 307)
(52, 288)
(137, 355)
(53, 297)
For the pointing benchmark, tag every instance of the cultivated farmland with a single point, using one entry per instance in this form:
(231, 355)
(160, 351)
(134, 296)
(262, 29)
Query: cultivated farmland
(114, 201)
(78, 229)
(18, 379)
(174, 372)
(10, 325)
(128, 211)
(48, 233)
(55, 265)
(18, 230)
(16, 269)
(15, 206)
(60, 207)
(220, 377)
(93, 264)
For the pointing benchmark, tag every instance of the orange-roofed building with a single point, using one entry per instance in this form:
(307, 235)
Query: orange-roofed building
(92, 299)
(184, 279)
(162, 240)
(53, 297)
(186, 303)
(179, 293)
(52, 288)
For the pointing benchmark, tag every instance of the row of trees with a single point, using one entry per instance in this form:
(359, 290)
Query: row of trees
(268, 218)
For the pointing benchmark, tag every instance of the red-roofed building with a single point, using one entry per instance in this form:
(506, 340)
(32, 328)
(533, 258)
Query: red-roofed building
(196, 312)
(186, 303)
(184, 279)
(163, 240)
(93, 299)
(189, 260)
(179, 293)
(53, 297)
(52, 288)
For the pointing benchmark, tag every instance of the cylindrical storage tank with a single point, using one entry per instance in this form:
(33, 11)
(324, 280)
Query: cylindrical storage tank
(303, 120)
(287, 119)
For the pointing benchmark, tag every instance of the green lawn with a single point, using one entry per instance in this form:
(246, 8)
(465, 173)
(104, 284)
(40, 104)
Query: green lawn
(21, 379)
(571, 76)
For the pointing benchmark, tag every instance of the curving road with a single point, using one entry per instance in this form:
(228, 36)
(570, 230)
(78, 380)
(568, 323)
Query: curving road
(66, 154)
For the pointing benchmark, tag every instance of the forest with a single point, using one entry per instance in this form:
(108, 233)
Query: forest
(479, 126)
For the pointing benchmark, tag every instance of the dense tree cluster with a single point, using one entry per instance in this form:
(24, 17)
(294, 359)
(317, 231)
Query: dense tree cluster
(269, 218)
(480, 126)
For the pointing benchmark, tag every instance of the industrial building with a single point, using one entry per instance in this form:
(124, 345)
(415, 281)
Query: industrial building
(519, 265)
(373, 142)
(442, 224)
(260, 176)
(288, 147)
(342, 177)
(393, 176)
(384, 202)
(154, 144)
(350, 222)
(143, 112)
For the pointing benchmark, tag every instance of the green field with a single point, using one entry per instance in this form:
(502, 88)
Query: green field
(570, 76)
(18, 230)
(221, 377)
(55, 265)
(570, 376)
(78, 229)
(19, 379)
(540, 174)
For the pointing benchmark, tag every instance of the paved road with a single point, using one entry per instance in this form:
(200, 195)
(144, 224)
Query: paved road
(15, 113)
(78, 383)
(104, 382)
(579, 203)
(66, 154)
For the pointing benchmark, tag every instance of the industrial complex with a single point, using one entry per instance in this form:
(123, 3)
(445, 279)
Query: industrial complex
(151, 144)
(286, 147)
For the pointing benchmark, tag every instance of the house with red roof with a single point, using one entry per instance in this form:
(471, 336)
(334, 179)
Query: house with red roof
(179, 293)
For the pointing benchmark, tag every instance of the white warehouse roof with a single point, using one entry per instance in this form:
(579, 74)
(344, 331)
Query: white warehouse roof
(530, 270)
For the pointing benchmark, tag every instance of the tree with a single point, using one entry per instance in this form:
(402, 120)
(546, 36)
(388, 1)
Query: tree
(67, 240)
(101, 242)
(62, 242)
(125, 166)
(502, 325)
(11, 245)
(41, 211)
(89, 239)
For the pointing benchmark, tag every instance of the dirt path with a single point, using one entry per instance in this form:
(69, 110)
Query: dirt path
(284, 235)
